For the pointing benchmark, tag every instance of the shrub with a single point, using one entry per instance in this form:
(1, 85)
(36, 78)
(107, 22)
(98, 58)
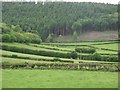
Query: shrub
(14, 56)
(75, 36)
(50, 38)
(86, 57)
(85, 50)
(6, 38)
(56, 59)
(74, 55)
(97, 56)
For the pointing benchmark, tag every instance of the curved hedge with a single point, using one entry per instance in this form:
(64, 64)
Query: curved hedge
(36, 52)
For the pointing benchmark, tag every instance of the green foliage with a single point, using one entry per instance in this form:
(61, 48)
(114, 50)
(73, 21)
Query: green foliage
(30, 64)
(60, 18)
(50, 38)
(15, 34)
(57, 59)
(6, 29)
(75, 36)
(33, 38)
(74, 55)
(6, 38)
(14, 56)
(17, 28)
(97, 56)
(36, 52)
(85, 50)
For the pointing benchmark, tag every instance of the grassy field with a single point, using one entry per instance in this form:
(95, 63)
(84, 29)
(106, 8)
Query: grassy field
(108, 46)
(58, 79)
(24, 77)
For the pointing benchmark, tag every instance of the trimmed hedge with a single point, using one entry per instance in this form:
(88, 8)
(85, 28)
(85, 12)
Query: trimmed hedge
(85, 50)
(51, 48)
(71, 66)
(38, 59)
(98, 57)
(36, 52)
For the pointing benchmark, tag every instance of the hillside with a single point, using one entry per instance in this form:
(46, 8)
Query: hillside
(11, 33)
(59, 45)
(61, 18)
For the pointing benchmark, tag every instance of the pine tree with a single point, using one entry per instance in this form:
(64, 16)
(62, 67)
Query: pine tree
(75, 36)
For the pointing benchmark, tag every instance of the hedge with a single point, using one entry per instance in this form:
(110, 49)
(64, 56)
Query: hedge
(36, 52)
(85, 50)
(80, 66)
(38, 59)
(98, 57)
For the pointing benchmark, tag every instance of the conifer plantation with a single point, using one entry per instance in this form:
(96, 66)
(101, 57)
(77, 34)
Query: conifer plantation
(59, 45)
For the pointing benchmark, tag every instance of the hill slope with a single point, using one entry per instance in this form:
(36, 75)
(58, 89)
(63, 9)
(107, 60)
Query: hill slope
(61, 18)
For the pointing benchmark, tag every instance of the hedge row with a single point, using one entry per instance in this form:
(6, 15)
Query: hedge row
(38, 59)
(51, 48)
(58, 43)
(85, 50)
(62, 66)
(99, 57)
(36, 52)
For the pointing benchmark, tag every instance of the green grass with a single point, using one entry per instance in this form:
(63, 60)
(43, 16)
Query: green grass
(23, 78)
(58, 79)
(108, 46)
(106, 52)
(77, 44)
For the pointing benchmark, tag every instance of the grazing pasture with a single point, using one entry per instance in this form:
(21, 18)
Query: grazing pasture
(58, 79)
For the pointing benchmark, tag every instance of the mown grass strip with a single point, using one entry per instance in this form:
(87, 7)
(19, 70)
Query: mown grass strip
(81, 43)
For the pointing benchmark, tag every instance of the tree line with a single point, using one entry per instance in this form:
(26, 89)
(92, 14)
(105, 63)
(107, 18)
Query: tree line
(11, 33)
(60, 18)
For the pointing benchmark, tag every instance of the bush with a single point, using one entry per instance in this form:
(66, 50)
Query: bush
(14, 56)
(97, 56)
(86, 57)
(74, 55)
(85, 50)
(57, 59)
(6, 38)
(75, 36)
(50, 38)
(21, 37)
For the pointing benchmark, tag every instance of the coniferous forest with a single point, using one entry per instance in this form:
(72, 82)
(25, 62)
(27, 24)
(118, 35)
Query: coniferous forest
(60, 18)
